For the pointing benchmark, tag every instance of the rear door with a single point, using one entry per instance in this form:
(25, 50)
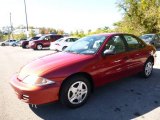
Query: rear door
(136, 54)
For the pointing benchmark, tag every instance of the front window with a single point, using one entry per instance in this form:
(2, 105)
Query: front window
(44, 38)
(86, 45)
(116, 44)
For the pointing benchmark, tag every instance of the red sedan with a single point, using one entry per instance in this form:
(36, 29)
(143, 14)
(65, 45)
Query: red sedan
(70, 76)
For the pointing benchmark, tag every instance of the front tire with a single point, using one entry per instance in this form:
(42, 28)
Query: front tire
(39, 47)
(75, 91)
(3, 44)
(13, 45)
(148, 68)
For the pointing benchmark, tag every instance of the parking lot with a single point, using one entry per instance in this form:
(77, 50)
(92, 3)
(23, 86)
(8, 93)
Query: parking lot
(130, 98)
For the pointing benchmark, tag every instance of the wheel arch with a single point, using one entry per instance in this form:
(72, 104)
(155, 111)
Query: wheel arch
(151, 58)
(87, 75)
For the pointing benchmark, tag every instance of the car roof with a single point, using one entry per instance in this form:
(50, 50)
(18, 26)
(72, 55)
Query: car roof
(68, 37)
(110, 34)
(52, 35)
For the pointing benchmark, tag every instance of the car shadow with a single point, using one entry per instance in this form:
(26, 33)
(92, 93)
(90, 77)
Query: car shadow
(45, 49)
(121, 100)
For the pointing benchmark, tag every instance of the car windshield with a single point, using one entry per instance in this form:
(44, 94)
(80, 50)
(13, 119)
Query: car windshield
(42, 38)
(29, 39)
(146, 37)
(86, 45)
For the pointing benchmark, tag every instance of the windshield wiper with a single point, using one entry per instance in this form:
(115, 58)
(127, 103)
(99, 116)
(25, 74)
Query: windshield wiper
(71, 51)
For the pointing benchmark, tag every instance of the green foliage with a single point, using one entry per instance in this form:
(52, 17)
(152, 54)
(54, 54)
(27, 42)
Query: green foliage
(32, 34)
(81, 33)
(44, 30)
(20, 36)
(140, 16)
(1, 35)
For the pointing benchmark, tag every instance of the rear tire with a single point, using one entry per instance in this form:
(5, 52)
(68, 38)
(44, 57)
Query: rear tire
(24, 46)
(75, 91)
(148, 68)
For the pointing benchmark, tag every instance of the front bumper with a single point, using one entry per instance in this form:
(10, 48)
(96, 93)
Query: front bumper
(32, 46)
(35, 94)
(56, 47)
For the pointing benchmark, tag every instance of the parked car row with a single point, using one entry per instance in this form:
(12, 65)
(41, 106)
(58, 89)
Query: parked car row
(60, 43)
(52, 41)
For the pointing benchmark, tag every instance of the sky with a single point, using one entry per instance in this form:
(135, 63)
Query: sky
(69, 15)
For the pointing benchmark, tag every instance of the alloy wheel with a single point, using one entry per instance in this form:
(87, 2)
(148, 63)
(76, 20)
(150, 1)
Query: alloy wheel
(148, 68)
(77, 92)
(39, 47)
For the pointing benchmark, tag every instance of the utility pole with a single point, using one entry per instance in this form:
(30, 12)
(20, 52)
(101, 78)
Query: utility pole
(11, 34)
(26, 19)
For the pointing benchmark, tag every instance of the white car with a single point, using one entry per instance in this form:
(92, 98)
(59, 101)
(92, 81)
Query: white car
(62, 43)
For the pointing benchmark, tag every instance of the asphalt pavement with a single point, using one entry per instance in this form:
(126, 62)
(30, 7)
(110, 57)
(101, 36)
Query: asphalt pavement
(130, 98)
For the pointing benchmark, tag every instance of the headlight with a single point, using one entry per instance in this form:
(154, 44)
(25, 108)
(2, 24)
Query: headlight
(37, 81)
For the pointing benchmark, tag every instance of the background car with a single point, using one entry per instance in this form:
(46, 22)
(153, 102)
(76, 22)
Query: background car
(43, 41)
(90, 62)
(7, 42)
(153, 39)
(24, 43)
(16, 43)
(62, 43)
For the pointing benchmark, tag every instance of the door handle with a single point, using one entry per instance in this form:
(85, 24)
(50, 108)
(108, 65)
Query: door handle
(116, 61)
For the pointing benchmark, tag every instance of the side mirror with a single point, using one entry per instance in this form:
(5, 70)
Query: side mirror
(108, 52)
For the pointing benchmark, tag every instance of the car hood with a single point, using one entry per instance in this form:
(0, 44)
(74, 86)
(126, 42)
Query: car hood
(52, 62)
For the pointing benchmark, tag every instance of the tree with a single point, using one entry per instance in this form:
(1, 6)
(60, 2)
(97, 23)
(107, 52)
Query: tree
(1, 35)
(32, 33)
(60, 32)
(20, 36)
(42, 30)
(140, 16)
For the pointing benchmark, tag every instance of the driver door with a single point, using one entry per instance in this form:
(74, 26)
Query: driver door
(114, 66)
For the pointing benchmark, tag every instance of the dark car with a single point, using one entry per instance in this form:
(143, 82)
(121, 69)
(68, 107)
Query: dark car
(44, 41)
(92, 61)
(25, 43)
(153, 39)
